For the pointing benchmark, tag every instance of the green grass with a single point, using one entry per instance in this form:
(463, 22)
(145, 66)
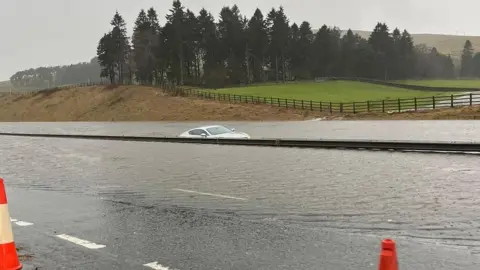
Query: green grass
(444, 83)
(330, 91)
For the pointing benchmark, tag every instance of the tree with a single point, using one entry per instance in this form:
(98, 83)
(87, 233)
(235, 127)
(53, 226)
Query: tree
(279, 33)
(174, 41)
(191, 49)
(300, 51)
(120, 45)
(326, 50)
(214, 73)
(142, 39)
(257, 43)
(467, 57)
(231, 28)
(113, 51)
(406, 56)
(105, 57)
(382, 45)
(476, 65)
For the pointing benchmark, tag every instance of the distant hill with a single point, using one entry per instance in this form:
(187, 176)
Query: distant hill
(446, 44)
(5, 86)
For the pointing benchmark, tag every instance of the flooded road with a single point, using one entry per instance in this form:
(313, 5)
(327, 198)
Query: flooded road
(373, 130)
(233, 207)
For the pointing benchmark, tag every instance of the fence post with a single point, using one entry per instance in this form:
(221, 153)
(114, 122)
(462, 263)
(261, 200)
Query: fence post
(451, 101)
(311, 105)
(354, 108)
(294, 106)
(302, 105)
(278, 102)
(331, 109)
(229, 99)
(251, 98)
(415, 102)
(383, 105)
(433, 102)
(341, 107)
(271, 101)
(471, 101)
(286, 103)
(264, 100)
(399, 106)
(321, 106)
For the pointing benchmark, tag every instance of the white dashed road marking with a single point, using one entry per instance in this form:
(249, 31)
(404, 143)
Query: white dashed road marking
(23, 223)
(156, 266)
(210, 194)
(91, 245)
(80, 242)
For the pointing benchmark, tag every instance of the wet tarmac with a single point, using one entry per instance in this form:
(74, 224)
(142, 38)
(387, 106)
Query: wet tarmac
(173, 237)
(446, 130)
(124, 205)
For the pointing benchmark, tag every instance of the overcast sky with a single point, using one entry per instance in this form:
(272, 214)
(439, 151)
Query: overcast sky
(52, 32)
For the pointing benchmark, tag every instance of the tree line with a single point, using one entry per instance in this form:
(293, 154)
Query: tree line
(194, 49)
(470, 61)
(45, 77)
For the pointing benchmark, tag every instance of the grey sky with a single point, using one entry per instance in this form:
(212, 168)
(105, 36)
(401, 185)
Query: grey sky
(53, 32)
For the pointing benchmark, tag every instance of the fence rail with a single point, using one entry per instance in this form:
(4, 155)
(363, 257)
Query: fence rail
(383, 106)
(379, 106)
(403, 85)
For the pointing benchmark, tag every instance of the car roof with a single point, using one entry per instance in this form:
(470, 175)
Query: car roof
(205, 127)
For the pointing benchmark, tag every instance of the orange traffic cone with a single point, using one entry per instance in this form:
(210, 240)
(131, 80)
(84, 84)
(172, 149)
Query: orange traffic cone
(388, 256)
(8, 252)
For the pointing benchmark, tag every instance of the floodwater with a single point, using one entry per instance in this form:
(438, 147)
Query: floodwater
(315, 129)
(432, 197)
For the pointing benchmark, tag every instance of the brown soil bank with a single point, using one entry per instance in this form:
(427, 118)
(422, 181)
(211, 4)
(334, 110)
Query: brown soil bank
(137, 103)
(131, 103)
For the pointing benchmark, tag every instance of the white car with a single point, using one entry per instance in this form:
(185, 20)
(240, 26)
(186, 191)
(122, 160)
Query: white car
(215, 131)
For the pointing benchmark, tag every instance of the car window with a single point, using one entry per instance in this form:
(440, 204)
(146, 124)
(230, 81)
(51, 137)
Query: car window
(196, 132)
(218, 130)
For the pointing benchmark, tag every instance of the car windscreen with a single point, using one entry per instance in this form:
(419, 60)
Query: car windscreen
(218, 130)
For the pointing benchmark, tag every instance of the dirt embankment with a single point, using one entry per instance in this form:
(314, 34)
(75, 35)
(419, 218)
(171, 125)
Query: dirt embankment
(136, 103)
(131, 103)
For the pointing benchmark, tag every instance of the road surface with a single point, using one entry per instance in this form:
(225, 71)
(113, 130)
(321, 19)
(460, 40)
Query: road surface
(79, 204)
(65, 231)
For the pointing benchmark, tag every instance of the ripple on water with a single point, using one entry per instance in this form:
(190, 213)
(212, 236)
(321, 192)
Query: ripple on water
(429, 196)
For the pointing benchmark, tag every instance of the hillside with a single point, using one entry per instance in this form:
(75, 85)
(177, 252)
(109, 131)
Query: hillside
(446, 44)
(5, 86)
(130, 103)
(137, 103)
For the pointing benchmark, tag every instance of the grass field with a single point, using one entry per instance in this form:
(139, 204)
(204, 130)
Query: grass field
(444, 83)
(330, 91)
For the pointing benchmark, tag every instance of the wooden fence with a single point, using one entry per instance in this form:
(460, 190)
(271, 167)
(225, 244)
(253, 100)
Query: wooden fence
(383, 106)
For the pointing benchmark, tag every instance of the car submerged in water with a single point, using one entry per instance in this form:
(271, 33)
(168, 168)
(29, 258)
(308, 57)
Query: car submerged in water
(214, 131)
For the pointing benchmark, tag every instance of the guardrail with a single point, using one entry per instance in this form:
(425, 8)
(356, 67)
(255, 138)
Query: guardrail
(369, 106)
(459, 147)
